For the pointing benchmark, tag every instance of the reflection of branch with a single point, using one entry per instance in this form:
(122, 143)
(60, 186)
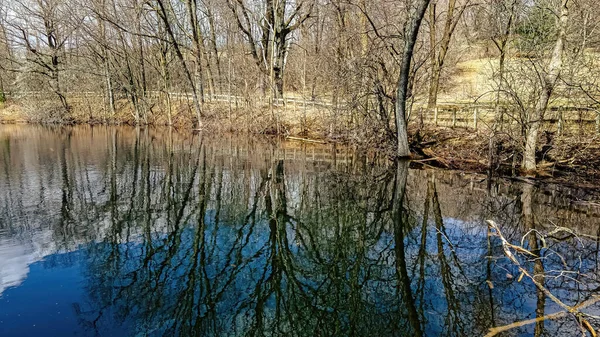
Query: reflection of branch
(445, 270)
(495, 331)
(506, 246)
(404, 281)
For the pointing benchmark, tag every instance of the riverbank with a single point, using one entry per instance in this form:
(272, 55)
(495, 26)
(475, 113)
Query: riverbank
(311, 119)
(568, 159)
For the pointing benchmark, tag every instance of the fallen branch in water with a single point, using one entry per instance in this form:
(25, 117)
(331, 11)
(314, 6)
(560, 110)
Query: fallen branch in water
(507, 246)
(436, 158)
(306, 140)
(496, 330)
(570, 234)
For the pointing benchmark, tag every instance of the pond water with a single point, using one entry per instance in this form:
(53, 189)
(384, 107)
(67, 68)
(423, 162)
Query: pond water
(141, 232)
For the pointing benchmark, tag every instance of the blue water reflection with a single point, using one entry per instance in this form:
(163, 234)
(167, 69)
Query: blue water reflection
(124, 232)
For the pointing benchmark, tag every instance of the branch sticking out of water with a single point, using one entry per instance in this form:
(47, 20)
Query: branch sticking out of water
(575, 310)
(497, 330)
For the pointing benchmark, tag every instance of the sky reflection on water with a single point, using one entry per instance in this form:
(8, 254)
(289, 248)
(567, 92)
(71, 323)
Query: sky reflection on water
(124, 232)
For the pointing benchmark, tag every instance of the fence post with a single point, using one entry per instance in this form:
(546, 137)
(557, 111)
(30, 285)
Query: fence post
(435, 115)
(497, 120)
(560, 121)
(598, 122)
(304, 107)
(453, 118)
(475, 117)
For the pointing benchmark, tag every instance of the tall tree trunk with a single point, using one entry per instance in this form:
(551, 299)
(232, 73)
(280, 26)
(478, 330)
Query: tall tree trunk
(501, 44)
(132, 87)
(411, 31)
(164, 71)
(192, 7)
(55, 82)
(142, 86)
(548, 81)
(439, 57)
(104, 55)
(278, 68)
(2, 93)
(162, 12)
(432, 45)
(109, 87)
(55, 63)
(213, 44)
(270, 50)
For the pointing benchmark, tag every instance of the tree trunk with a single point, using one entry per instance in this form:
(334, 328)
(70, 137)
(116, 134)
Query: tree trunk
(282, 48)
(105, 59)
(198, 47)
(501, 44)
(197, 104)
(54, 69)
(411, 30)
(548, 82)
(109, 88)
(270, 50)
(2, 94)
(142, 86)
(434, 85)
(432, 45)
(439, 58)
(213, 44)
(166, 84)
(404, 280)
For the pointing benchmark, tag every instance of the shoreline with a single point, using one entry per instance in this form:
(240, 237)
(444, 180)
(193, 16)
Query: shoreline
(568, 160)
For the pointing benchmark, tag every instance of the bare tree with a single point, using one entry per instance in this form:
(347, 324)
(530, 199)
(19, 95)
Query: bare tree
(439, 52)
(411, 31)
(164, 13)
(547, 80)
(267, 29)
(44, 37)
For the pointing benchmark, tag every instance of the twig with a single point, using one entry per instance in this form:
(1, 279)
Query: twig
(496, 330)
(507, 251)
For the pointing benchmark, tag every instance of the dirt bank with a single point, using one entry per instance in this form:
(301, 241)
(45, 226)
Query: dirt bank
(566, 159)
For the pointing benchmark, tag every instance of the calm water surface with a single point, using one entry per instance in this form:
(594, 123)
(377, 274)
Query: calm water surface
(124, 232)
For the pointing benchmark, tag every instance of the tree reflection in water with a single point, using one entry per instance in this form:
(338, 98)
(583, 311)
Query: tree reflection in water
(197, 236)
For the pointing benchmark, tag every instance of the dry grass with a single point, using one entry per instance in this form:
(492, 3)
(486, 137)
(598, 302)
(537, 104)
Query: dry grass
(470, 80)
(11, 113)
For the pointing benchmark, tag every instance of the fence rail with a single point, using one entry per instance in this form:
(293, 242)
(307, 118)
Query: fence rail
(474, 115)
(189, 96)
(461, 115)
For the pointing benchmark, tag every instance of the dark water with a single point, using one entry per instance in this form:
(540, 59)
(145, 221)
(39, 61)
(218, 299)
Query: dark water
(123, 232)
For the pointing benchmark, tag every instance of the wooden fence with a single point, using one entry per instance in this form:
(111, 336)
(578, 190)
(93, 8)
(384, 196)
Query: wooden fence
(475, 116)
(456, 115)
(238, 100)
